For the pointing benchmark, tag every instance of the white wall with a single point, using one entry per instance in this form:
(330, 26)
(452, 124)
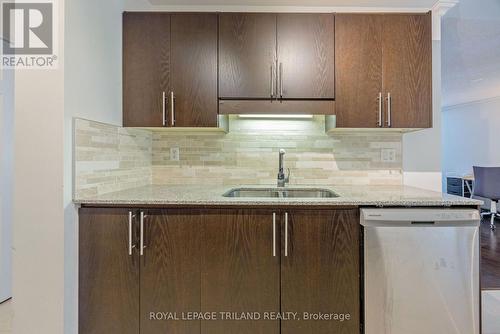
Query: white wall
(6, 179)
(471, 136)
(38, 238)
(93, 90)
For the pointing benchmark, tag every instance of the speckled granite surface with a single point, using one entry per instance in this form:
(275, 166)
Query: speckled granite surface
(213, 195)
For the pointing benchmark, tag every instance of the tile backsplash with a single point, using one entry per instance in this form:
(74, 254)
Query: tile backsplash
(109, 158)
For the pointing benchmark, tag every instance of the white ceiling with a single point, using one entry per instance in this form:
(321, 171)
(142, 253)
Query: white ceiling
(471, 52)
(424, 4)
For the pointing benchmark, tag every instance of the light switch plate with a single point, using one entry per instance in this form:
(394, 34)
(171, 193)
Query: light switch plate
(388, 155)
(174, 154)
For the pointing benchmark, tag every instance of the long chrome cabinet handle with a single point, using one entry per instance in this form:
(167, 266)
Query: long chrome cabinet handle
(164, 108)
(142, 235)
(380, 106)
(281, 80)
(389, 110)
(172, 107)
(274, 234)
(272, 80)
(130, 245)
(286, 233)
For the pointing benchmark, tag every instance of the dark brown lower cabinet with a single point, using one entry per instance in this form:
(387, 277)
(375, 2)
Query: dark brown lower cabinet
(240, 270)
(234, 262)
(320, 271)
(170, 271)
(108, 274)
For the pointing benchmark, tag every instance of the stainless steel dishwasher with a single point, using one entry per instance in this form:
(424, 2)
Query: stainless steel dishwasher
(421, 271)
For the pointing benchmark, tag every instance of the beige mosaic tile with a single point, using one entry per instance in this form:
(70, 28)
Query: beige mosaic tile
(248, 154)
(110, 158)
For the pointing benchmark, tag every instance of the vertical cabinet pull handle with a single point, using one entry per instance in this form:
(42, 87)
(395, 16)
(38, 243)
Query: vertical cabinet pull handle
(272, 80)
(389, 109)
(172, 107)
(130, 245)
(164, 108)
(274, 234)
(286, 233)
(281, 80)
(380, 106)
(142, 234)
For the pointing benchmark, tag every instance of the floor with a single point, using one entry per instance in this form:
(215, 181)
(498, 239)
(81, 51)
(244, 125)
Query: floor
(6, 317)
(490, 256)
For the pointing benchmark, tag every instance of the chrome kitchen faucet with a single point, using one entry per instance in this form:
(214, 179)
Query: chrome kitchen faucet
(282, 179)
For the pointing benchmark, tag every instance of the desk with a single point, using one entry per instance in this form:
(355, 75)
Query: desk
(468, 183)
(460, 185)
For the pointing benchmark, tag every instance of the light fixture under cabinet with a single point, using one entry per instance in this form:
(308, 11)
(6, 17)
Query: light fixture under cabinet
(277, 116)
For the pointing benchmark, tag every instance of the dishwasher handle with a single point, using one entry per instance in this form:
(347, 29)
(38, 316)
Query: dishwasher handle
(409, 217)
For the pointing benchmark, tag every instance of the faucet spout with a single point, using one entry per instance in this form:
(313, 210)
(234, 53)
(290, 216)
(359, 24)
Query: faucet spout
(282, 179)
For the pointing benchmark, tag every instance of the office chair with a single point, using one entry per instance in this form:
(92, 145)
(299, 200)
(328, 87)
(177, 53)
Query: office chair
(487, 185)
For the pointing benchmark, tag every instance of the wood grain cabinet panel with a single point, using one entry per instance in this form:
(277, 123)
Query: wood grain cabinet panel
(387, 55)
(320, 270)
(170, 69)
(108, 276)
(247, 55)
(306, 56)
(239, 271)
(170, 270)
(358, 50)
(146, 67)
(407, 69)
(194, 69)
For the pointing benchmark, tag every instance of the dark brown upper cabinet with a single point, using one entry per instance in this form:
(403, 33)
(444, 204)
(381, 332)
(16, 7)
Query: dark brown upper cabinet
(247, 55)
(358, 46)
(170, 69)
(306, 56)
(280, 56)
(146, 68)
(407, 70)
(383, 70)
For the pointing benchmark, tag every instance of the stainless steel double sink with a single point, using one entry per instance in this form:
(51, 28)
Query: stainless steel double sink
(281, 193)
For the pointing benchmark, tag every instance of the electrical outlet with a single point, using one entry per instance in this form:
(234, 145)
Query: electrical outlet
(174, 154)
(388, 155)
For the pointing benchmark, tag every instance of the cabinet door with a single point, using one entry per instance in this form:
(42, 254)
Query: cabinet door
(240, 270)
(306, 56)
(247, 55)
(320, 270)
(194, 70)
(407, 70)
(146, 70)
(170, 270)
(358, 79)
(108, 274)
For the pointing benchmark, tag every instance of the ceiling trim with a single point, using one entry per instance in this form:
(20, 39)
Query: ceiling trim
(287, 9)
(469, 103)
(438, 11)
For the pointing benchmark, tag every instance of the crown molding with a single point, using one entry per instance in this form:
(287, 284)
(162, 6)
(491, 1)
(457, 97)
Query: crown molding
(438, 11)
(285, 9)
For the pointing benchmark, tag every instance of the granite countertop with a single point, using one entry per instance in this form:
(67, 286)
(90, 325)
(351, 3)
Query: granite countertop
(212, 195)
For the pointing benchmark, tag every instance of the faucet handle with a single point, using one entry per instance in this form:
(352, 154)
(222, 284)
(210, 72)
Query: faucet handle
(287, 178)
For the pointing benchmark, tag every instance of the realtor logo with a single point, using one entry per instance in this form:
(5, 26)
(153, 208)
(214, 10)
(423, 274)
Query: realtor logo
(28, 31)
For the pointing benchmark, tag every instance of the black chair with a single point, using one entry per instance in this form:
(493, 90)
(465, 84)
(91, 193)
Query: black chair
(487, 185)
